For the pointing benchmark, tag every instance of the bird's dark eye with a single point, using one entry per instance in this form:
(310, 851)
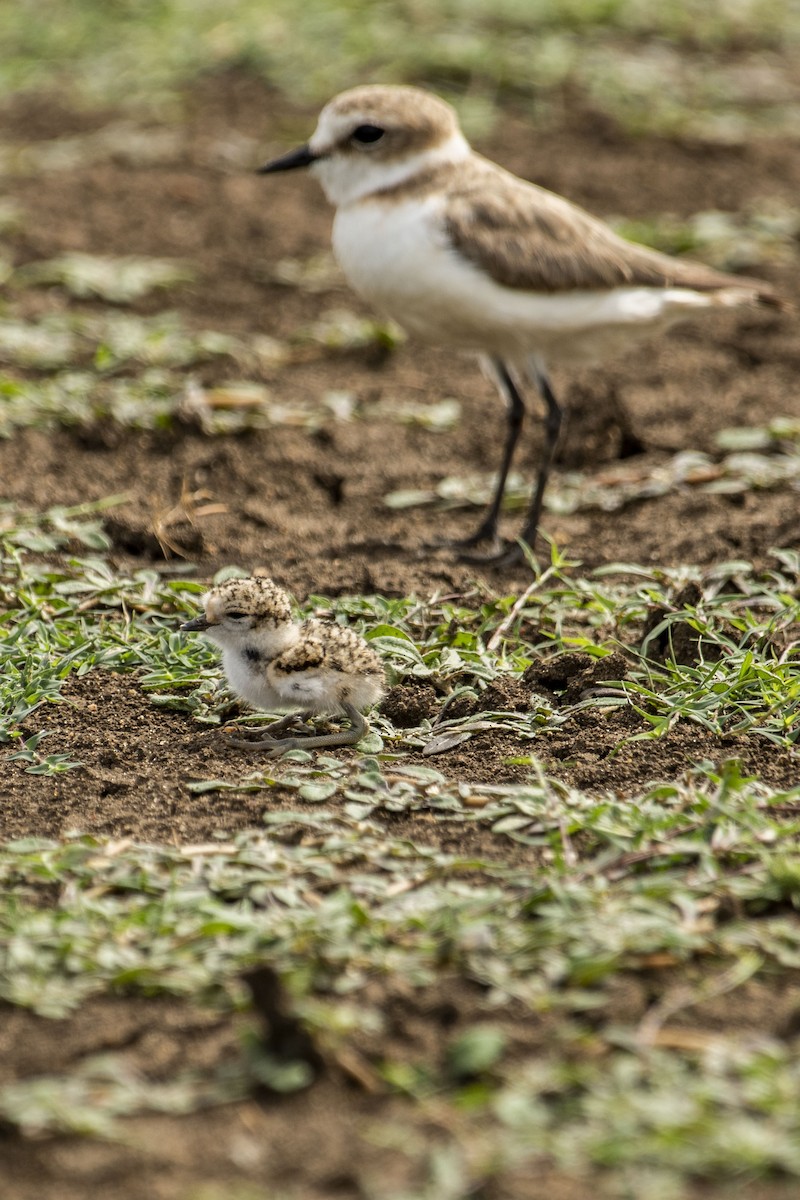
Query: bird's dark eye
(367, 134)
(236, 616)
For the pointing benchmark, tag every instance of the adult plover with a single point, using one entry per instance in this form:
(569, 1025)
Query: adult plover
(463, 253)
(274, 662)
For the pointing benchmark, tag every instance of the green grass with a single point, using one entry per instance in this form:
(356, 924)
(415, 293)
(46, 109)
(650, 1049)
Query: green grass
(679, 871)
(80, 615)
(113, 366)
(701, 872)
(676, 67)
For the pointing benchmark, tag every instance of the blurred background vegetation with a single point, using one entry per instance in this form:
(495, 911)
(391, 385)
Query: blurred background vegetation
(717, 69)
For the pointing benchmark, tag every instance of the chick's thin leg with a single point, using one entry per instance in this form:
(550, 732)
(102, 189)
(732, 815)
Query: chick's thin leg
(275, 746)
(266, 733)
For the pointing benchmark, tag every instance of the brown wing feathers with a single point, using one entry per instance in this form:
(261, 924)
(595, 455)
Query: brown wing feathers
(528, 238)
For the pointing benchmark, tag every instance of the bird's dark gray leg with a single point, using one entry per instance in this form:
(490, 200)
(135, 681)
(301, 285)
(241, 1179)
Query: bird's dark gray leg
(275, 746)
(553, 421)
(269, 730)
(552, 427)
(515, 415)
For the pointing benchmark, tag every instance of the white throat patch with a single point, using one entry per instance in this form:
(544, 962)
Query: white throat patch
(347, 178)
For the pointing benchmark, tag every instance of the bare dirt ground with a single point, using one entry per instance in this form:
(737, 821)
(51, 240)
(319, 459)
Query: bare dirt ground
(308, 508)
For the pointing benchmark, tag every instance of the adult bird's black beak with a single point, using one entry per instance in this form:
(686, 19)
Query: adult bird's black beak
(196, 625)
(303, 156)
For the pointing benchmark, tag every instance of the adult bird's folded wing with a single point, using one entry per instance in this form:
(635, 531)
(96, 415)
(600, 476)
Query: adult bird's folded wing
(527, 238)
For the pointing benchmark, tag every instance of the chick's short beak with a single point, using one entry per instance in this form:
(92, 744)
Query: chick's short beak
(198, 624)
(303, 156)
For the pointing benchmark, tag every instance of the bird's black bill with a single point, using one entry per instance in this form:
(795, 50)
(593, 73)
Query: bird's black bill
(195, 626)
(301, 157)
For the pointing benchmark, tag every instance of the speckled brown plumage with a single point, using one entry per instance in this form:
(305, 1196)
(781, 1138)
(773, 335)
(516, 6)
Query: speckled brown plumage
(275, 662)
(324, 644)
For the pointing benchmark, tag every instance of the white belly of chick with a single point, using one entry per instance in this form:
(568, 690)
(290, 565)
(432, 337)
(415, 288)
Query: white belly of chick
(325, 691)
(317, 690)
(249, 679)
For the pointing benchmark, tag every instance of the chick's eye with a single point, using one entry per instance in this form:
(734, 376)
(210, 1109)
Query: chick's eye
(237, 616)
(367, 134)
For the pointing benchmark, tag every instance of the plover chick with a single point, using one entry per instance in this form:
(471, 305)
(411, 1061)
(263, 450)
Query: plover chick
(274, 662)
(465, 254)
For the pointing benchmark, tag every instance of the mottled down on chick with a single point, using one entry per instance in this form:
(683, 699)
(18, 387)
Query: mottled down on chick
(275, 662)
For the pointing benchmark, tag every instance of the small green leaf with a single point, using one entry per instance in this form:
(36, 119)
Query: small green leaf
(315, 793)
(476, 1051)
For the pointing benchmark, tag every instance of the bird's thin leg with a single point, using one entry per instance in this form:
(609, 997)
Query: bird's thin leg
(345, 737)
(275, 726)
(552, 427)
(267, 733)
(515, 414)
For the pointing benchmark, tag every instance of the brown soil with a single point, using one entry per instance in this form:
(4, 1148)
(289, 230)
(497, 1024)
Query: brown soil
(308, 509)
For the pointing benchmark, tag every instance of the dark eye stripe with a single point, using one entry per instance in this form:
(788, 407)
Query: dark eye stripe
(367, 133)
